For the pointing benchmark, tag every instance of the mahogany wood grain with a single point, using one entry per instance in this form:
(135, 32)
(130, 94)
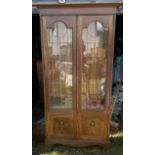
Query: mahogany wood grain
(78, 127)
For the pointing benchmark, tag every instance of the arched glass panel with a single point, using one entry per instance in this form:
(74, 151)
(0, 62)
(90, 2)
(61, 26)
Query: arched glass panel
(94, 65)
(60, 66)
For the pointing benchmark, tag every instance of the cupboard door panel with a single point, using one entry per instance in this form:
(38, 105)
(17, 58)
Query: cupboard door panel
(94, 33)
(61, 126)
(59, 64)
(92, 127)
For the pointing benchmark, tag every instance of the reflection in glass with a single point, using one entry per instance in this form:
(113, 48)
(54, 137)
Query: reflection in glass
(60, 66)
(94, 66)
(59, 29)
(95, 28)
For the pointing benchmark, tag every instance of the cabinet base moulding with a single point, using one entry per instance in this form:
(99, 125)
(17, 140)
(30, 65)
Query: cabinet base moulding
(79, 143)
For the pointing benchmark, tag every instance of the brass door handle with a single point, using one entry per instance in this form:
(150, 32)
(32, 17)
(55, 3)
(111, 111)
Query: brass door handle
(61, 122)
(92, 123)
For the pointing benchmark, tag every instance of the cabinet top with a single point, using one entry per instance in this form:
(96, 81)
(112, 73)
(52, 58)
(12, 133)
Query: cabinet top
(75, 1)
(43, 3)
(76, 7)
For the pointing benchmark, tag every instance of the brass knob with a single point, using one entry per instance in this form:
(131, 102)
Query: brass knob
(92, 123)
(61, 122)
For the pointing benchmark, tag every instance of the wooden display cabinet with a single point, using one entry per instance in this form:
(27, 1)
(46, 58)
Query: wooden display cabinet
(77, 49)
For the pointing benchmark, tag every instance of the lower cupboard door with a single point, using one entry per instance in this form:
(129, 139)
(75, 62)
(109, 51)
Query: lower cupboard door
(60, 126)
(92, 128)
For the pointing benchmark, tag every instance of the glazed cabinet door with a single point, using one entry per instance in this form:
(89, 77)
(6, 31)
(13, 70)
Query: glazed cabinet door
(58, 33)
(95, 57)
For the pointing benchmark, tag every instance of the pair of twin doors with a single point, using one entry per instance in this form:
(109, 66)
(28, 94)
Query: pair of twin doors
(76, 59)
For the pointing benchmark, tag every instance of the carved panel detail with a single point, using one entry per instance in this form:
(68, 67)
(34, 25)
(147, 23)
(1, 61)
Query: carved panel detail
(93, 127)
(63, 126)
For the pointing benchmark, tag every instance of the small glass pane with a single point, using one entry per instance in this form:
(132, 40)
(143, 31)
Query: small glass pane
(94, 66)
(60, 66)
(59, 29)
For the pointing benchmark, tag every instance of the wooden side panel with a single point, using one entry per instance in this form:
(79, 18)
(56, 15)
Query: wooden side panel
(40, 77)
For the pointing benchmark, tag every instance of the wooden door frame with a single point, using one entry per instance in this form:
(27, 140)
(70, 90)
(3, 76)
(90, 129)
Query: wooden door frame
(105, 113)
(47, 22)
